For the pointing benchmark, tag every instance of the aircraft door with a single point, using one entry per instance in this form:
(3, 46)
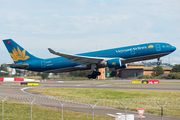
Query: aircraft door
(158, 47)
(132, 51)
(43, 64)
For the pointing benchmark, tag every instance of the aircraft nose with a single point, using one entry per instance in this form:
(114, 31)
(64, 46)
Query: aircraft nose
(173, 48)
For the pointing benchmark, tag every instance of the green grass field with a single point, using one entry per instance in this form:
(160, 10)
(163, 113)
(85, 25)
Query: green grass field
(20, 111)
(128, 82)
(116, 94)
(106, 93)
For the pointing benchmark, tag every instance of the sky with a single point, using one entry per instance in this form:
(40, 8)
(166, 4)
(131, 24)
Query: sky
(78, 26)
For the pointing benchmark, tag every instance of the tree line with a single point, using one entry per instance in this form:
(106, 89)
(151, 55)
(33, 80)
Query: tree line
(159, 73)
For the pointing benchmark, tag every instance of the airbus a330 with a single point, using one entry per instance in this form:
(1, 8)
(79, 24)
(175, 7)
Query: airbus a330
(112, 58)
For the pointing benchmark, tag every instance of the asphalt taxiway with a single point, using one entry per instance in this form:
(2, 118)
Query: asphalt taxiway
(15, 89)
(113, 84)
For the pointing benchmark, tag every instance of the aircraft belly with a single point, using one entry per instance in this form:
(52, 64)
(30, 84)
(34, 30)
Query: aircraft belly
(141, 58)
(68, 69)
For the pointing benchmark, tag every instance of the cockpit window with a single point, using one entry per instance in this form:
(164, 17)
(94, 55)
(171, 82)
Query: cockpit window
(168, 45)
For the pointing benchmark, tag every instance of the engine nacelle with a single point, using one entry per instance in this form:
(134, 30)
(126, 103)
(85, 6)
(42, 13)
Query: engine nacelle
(115, 63)
(122, 66)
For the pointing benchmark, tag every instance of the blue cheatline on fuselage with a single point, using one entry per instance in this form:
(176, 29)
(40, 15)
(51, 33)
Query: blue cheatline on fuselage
(116, 57)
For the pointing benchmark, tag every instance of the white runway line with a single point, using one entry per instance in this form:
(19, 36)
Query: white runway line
(87, 84)
(105, 85)
(23, 90)
(60, 81)
(117, 83)
(82, 84)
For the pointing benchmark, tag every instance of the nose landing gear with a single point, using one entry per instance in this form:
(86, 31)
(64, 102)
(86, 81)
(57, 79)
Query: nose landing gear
(158, 63)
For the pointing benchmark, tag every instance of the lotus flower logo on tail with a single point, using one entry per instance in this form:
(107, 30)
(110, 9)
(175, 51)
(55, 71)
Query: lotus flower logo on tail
(18, 55)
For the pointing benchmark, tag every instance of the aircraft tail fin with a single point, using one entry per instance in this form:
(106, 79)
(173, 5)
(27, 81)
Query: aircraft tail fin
(17, 53)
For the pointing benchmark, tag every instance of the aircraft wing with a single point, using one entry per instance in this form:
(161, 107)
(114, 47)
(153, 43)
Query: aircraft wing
(79, 59)
(69, 69)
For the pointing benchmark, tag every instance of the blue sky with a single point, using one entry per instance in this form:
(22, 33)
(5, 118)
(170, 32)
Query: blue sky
(76, 26)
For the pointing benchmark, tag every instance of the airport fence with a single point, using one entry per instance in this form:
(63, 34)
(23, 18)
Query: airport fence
(152, 105)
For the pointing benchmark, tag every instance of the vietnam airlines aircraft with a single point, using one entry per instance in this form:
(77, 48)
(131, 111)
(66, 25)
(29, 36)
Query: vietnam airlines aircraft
(112, 58)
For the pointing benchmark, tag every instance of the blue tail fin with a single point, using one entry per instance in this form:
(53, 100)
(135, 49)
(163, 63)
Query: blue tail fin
(18, 53)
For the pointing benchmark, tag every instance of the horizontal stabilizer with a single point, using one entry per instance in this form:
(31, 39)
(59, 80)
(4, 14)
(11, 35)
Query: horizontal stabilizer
(24, 66)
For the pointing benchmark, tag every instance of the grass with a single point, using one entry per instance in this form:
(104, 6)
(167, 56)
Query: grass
(20, 111)
(169, 82)
(115, 94)
(33, 77)
(128, 82)
(106, 93)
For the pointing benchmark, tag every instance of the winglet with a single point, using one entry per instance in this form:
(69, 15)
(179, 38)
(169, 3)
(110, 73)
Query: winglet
(68, 56)
(51, 51)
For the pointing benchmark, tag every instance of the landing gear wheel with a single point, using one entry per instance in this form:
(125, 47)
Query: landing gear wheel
(98, 73)
(158, 63)
(89, 76)
(94, 76)
(94, 73)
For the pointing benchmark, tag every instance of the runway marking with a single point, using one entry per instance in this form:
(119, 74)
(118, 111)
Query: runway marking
(60, 81)
(82, 84)
(120, 83)
(23, 90)
(87, 84)
(105, 85)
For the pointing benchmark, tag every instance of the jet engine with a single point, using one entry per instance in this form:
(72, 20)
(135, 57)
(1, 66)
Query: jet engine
(115, 63)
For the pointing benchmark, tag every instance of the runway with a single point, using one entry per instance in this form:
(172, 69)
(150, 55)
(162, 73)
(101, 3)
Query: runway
(108, 84)
(113, 84)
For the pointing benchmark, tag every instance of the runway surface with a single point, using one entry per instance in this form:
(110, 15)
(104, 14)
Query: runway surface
(113, 84)
(11, 88)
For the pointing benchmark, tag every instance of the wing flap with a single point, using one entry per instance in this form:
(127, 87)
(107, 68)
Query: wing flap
(69, 69)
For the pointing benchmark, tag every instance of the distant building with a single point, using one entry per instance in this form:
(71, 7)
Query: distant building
(9, 69)
(135, 65)
(134, 70)
(162, 61)
(102, 76)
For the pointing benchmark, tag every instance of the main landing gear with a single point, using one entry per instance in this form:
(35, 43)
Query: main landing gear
(94, 74)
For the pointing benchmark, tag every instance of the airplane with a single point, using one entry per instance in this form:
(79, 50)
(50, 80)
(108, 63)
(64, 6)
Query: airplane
(113, 58)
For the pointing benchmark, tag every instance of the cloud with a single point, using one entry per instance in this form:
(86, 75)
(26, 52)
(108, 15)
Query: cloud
(81, 25)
